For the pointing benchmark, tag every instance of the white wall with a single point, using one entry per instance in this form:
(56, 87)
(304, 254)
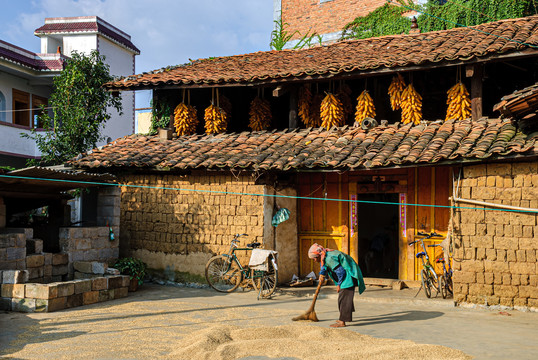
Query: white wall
(81, 43)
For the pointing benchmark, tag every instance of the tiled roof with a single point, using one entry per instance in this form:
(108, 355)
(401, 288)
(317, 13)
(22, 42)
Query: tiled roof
(519, 103)
(353, 56)
(91, 24)
(40, 62)
(345, 148)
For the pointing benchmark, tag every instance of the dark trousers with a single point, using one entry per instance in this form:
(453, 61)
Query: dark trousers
(345, 304)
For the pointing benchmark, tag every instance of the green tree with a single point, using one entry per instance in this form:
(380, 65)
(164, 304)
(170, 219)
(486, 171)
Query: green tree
(79, 103)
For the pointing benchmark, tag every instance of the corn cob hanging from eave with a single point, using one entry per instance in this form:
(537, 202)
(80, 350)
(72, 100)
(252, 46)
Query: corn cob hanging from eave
(260, 114)
(459, 103)
(396, 88)
(185, 119)
(411, 105)
(365, 108)
(331, 112)
(216, 119)
(304, 105)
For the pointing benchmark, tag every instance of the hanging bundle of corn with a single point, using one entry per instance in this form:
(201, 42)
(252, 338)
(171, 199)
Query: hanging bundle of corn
(365, 108)
(344, 95)
(185, 118)
(315, 111)
(459, 103)
(411, 105)
(216, 119)
(260, 114)
(396, 88)
(331, 112)
(305, 106)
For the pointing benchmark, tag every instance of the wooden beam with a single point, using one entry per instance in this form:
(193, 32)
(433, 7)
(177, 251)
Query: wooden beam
(476, 91)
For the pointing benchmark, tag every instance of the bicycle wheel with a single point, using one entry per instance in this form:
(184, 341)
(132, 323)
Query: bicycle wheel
(426, 283)
(265, 281)
(223, 274)
(443, 288)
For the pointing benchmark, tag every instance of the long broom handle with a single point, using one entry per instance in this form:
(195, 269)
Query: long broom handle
(321, 278)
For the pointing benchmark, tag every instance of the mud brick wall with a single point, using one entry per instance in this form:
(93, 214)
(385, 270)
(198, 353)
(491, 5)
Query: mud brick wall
(323, 16)
(183, 229)
(496, 251)
(89, 244)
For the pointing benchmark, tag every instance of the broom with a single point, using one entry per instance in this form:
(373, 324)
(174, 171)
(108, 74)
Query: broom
(310, 314)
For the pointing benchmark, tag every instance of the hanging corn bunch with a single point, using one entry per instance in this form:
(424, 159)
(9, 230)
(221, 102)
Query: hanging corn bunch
(411, 105)
(305, 106)
(344, 96)
(316, 111)
(185, 118)
(365, 108)
(396, 88)
(216, 119)
(459, 103)
(331, 112)
(260, 114)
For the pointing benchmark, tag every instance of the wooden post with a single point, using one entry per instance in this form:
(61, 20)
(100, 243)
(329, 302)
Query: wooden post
(293, 109)
(477, 76)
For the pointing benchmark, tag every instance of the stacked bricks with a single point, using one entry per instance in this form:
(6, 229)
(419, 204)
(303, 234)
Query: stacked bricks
(189, 223)
(323, 16)
(496, 251)
(13, 251)
(89, 269)
(62, 295)
(89, 244)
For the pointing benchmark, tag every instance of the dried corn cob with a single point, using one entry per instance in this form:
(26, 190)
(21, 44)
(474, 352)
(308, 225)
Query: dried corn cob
(216, 120)
(365, 107)
(411, 105)
(185, 119)
(459, 103)
(305, 106)
(396, 88)
(331, 112)
(260, 114)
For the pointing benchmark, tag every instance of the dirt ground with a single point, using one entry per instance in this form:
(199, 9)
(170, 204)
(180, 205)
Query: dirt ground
(165, 322)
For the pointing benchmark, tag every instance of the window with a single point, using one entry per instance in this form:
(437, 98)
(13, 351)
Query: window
(2, 107)
(37, 102)
(21, 106)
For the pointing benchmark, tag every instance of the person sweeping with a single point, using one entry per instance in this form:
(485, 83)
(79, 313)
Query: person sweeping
(345, 273)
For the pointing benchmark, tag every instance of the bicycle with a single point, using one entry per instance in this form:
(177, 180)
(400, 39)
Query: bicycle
(225, 272)
(428, 276)
(445, 279)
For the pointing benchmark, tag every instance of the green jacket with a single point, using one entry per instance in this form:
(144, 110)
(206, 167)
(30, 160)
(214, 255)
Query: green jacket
(353, 272)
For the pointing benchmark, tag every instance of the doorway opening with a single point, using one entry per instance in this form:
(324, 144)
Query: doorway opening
(378, 234)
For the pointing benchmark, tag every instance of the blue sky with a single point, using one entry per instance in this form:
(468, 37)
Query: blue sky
(167, 32)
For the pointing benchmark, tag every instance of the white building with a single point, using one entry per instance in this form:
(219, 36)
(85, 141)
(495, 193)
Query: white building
(26, 79)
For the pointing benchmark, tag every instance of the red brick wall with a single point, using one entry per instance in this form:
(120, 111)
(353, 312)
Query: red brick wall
(323, 17)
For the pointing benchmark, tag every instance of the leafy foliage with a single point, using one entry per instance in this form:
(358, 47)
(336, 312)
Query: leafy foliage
(280, 37)
(79, 105)
(436, 15)
(161, 114)
(133, 267)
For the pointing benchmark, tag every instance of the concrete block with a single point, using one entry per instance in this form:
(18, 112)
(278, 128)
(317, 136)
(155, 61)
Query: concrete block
(23, 305)
(33, 261)
(99, 283)
(34, 246)
(82, 286)
(48, 258)
(99, 267)
(83, 266)
(7, 240)
(74, 300)
(65, 288)
(90, 297)
(35, 273)
(15, 253)
(41, 291)
(14, 276)
(50, 305)
(115, 282)
(5, 304)
(60, 259)
(59, 270)
(121, 292)
(12, 290)
(105, 295)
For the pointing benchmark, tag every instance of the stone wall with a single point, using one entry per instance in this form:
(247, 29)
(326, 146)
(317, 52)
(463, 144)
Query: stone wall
(182, 229)
(495, 250)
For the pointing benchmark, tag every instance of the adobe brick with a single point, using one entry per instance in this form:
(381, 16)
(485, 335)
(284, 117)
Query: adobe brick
(507, 291)
(523, 268)
(464, 277)
(506, 301)
(90, 297)
(99, 283)
(13, 290)
(74, 300)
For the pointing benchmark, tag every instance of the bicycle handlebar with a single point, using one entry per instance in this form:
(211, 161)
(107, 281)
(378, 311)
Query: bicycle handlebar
(427, 236)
